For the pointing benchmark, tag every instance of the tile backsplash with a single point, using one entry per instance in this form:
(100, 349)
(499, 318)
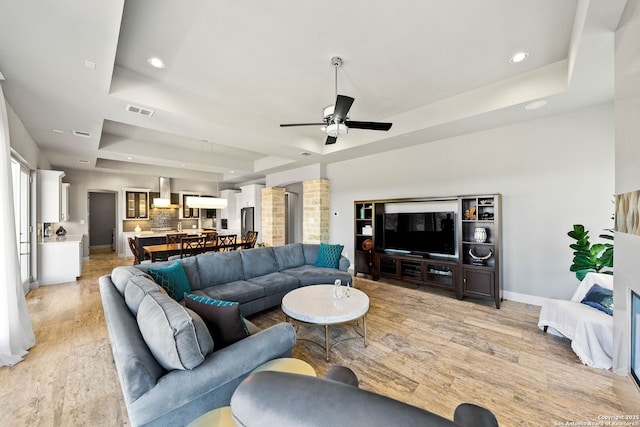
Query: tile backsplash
(159, 218)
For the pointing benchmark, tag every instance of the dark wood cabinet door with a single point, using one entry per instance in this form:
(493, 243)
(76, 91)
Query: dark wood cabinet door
(479, 282)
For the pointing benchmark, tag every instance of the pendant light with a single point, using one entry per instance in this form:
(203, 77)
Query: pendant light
(208, 202)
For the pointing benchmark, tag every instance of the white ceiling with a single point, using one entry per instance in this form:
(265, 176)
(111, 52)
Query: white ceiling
(237, 69)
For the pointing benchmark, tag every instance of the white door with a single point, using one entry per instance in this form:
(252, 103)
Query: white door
(21, 207)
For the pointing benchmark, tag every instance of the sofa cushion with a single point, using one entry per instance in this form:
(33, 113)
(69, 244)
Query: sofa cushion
(121, 275)
(599, 298)
(328, 256)
(177, 337)
(239, 291)
(289, 256)
(258, 262)
(173, 279)
(276, 283)
(223, 319)
(216, 268)
(310, 251)
(190, 265)
(311, 275)
(137, 288)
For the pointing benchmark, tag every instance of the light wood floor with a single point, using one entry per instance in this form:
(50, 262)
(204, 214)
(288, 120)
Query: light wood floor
(425, 348)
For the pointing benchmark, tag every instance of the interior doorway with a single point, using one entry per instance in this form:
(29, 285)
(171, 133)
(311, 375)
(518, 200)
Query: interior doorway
(293, 213)
(102, 220)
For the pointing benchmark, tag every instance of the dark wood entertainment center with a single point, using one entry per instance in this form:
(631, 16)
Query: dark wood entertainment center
(474, 271)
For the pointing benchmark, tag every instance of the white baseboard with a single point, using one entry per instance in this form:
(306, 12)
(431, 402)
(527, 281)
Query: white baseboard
(523, 298)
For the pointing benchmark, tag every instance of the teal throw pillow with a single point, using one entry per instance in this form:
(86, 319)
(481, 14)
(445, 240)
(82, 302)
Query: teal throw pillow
(173, 279)
(223, 319)
(600, 298)
(329, 256)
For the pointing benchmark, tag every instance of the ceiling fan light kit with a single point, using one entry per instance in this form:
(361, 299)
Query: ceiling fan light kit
(335, 129)
(336, 117)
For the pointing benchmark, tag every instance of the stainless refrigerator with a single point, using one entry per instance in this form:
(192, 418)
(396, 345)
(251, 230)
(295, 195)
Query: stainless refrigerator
(246, 220)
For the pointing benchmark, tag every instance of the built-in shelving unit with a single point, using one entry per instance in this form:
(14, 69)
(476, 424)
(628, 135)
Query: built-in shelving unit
(473, 272)
(479, 246)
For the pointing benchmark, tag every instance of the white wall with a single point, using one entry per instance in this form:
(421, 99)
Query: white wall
(552, 173)
(23, 144)
(627, 246)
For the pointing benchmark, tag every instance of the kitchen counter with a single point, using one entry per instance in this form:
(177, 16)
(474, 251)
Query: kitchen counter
(164, 233)
(69, 238)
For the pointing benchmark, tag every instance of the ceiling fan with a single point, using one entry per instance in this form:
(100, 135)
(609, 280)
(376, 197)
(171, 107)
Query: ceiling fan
(336, 117)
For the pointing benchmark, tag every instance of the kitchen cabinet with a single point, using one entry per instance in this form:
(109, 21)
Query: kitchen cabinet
(49, 188)
(60, 259)
(185, 211)
(64, 194)
(136, 203)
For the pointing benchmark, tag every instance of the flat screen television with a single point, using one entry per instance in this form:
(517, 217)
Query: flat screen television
(423, 233)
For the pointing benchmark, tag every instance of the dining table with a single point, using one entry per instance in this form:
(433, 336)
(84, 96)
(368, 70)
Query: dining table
(169, 249)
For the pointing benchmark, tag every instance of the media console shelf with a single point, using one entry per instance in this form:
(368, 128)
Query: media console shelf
(419, 271)
(473, 272)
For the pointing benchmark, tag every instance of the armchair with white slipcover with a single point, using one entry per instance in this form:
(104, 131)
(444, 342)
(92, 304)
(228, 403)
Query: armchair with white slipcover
(589, 329)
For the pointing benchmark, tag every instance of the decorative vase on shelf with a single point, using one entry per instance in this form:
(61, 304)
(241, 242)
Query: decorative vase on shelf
(137, 229)
(480, 235)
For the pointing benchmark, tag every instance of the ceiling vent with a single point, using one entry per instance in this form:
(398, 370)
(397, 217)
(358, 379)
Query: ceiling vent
(82, 134)
(139, 110)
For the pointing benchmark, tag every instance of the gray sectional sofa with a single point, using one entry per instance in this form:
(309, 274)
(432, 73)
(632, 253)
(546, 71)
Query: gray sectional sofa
(257, 278)
(163, 352)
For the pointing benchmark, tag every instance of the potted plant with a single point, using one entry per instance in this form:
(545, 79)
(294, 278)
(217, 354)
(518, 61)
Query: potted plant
(588, 257)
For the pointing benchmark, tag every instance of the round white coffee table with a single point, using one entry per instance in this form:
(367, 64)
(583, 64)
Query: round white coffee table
(316, 304)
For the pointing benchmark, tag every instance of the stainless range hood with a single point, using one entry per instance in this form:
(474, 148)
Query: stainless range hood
(164, 201)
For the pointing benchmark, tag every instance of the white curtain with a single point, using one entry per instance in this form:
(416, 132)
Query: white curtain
(16, 332)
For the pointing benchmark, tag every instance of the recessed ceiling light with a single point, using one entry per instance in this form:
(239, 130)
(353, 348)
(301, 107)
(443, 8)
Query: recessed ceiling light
(519, 57)
(535, 105)
(232, 171)
(57, 131)
(183, 165)
(129, 158)
(83, 161)
(156, 62)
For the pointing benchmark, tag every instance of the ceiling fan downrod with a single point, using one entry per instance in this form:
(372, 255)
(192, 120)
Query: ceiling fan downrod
(336, 61)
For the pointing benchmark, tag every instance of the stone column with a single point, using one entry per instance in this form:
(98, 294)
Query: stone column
(315, 217)
(273, 216)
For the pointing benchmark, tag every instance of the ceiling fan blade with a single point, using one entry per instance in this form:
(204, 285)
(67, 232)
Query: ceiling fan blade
(330, 140)
(368, 125)
(343, 105)
(286, 125)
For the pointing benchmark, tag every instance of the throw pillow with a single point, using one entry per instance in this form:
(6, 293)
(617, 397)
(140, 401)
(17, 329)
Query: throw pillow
(173, 279)
(600, 298)
(177, 337)
(223, 319)
(329, 256)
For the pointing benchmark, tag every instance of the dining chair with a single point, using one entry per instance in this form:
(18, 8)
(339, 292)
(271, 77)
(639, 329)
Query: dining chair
(210, 235)
(175, 237)
(250, 239)
(226, 242)
(191, 246)
(136, 254)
